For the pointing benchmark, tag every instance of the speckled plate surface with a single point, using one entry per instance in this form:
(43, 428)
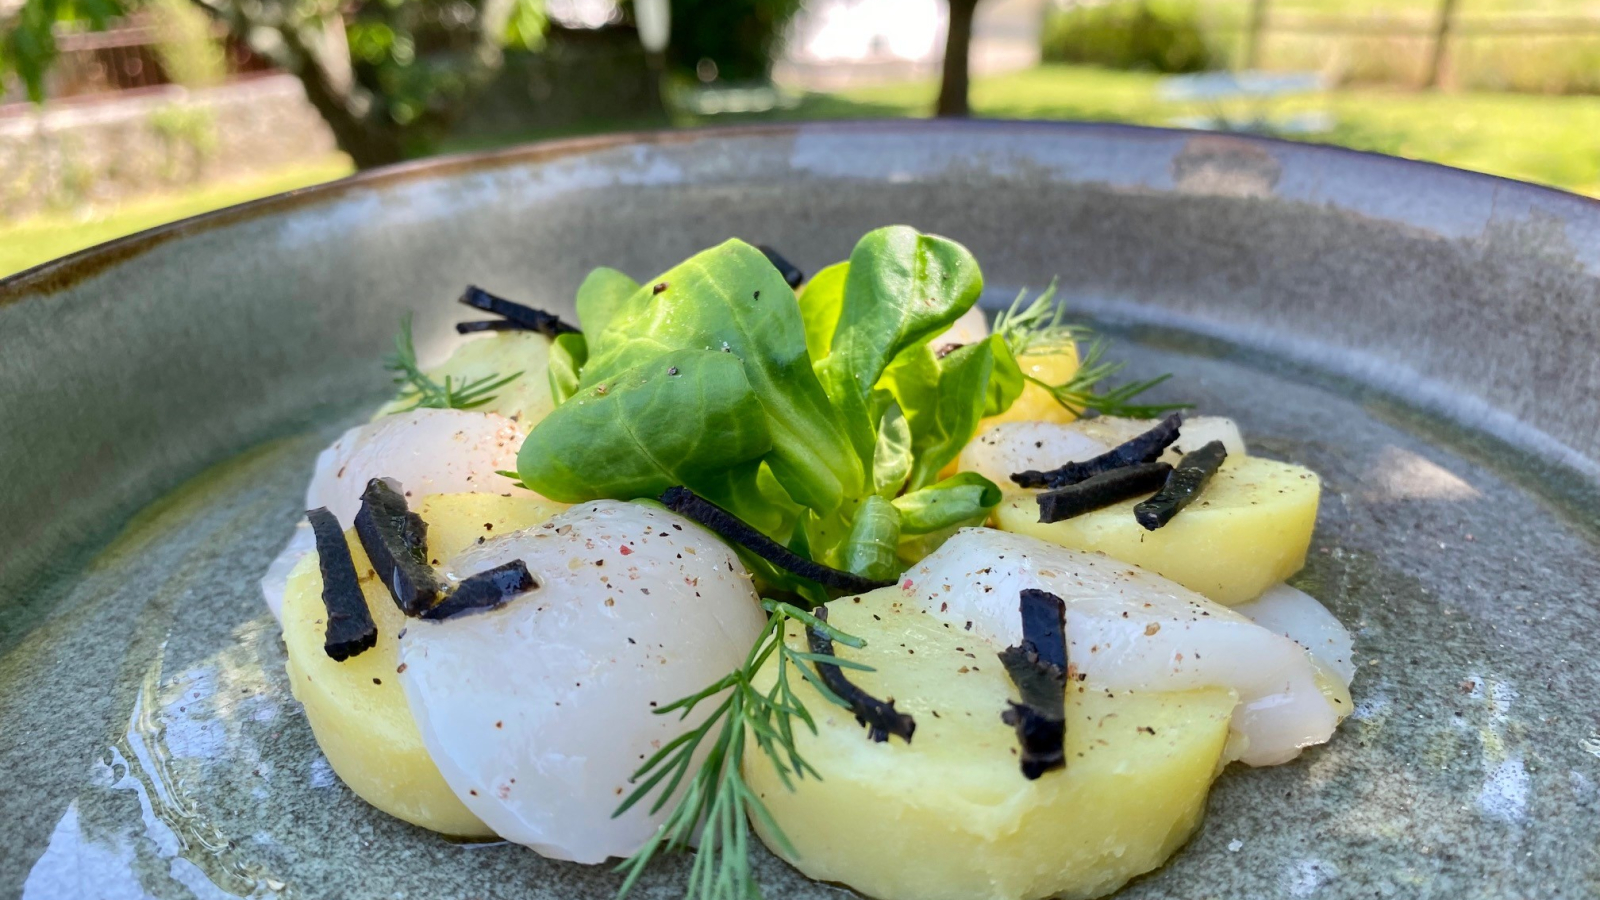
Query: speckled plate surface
(1422, 337)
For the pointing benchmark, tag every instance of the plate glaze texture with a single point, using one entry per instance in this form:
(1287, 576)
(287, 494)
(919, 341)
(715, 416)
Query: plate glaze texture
(1422, 337)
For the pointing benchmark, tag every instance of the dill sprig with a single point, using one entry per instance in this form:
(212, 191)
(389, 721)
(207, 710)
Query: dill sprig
(423, 392)
(1038, 329)
(717, 801)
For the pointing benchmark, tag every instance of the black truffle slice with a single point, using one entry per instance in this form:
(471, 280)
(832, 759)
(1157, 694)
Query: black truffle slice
(879, 716)
(1102, 490)
(791, 273)
(489, 589)
(1182, 486)
(1038, 667)
(1143, 448)
(735, 530)
(525, 318)
(396, 540)
(350, 630)
(490, 325)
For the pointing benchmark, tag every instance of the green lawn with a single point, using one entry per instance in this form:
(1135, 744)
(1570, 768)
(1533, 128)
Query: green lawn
(32, 241)
(1549, 139)
(1543, 138)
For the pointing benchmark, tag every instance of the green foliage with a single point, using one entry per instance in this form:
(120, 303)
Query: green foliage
(901, 289)
(946, 398)
(600, 296)
(568, 352)
(953, 501)
(425, 58)
(731, 299)
(717, 803)
(810, 450)
(28, 44)
(422, 391)
(742, 37)
(1154, 35)
(189, 54)
(684, 416)
(1039, 329)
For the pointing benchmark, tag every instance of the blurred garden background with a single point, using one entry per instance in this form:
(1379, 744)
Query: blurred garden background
(116, 115)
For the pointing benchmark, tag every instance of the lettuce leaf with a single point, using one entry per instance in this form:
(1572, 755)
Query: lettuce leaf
(902, 288)
(686, 417)
(960, 498)
(731, 299)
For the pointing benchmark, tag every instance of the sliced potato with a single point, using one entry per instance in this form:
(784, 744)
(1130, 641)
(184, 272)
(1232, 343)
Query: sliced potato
(526, 399)
(356, 708)
(950, 815)
(1037, 404)
(1249, 530)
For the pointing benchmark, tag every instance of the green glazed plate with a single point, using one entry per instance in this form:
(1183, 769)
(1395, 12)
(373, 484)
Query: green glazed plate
(1422, 337)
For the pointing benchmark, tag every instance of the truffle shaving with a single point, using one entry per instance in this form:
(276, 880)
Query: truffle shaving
(1038, 667)
(524, 318)
(1144, 448)
(489, 589)
(735, 530)
(1182, 486)
(490, 325)
(396, 540)
(1102, 490)
(350, 630)
(879, 716)
(791, 273)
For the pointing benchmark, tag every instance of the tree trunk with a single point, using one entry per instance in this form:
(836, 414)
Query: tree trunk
(365, 139)
(957, 47)
(360, 126)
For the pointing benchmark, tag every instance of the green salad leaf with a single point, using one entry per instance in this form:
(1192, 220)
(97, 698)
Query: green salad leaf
(902, 288)
(892, 458)
(821, 299)
(602, 293)
(958, 499)
(731, 299)
(685, 417)
(874, 539)
(568, 352)
(945, 399)
(822, 417)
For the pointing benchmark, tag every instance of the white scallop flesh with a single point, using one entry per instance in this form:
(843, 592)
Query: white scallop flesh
(1299, 617)
(276, 582)
(538, 712)
(972, 327)
(1011, 447)
(1131, 629)
(1196, 432)
(1019, 446)
(429, 451)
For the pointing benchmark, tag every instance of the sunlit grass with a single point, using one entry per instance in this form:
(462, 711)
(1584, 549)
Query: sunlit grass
(38, 239)
(1548, 139)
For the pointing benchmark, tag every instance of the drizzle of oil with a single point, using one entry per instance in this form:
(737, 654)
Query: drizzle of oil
(163, 842)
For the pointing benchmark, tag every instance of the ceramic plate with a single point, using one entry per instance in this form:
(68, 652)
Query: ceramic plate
(1422, 337)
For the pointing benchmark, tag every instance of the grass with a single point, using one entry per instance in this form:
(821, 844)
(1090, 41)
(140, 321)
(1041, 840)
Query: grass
(1548, 139)
(42, 238)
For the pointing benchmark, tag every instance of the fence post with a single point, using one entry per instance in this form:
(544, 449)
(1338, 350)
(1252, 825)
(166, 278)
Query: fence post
(1441, 41)
(1258, 27)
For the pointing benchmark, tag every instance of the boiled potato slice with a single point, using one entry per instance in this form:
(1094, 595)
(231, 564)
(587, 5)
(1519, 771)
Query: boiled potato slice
(1249, 530)
(950, 814)
(356, 708)
(525, 400)
(1037, 404)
